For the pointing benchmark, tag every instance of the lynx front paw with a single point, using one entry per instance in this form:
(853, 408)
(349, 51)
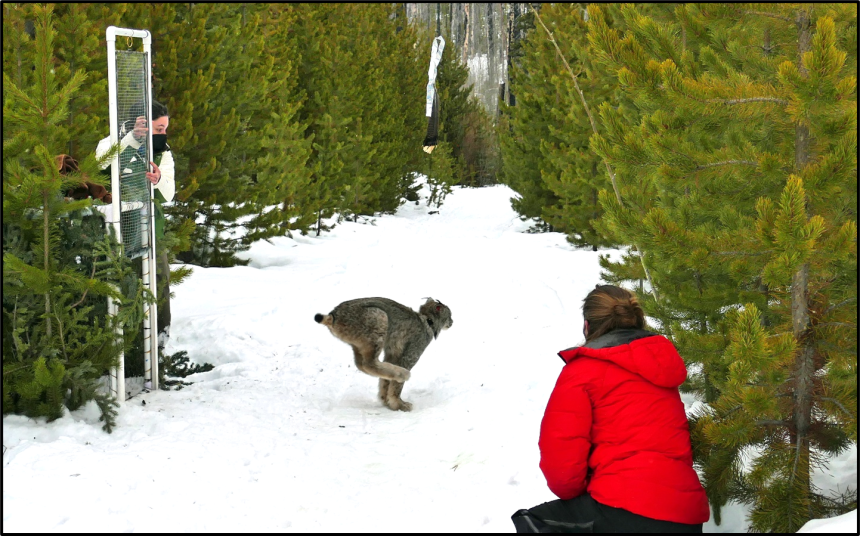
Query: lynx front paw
(403, 375)
(396, 404)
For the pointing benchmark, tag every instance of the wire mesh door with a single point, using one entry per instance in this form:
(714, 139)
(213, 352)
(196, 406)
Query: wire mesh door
(133, 107)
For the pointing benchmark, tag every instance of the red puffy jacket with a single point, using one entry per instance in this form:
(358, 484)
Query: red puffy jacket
(615, 427)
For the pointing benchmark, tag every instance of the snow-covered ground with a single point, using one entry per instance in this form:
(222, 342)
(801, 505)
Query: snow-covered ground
(286, 435)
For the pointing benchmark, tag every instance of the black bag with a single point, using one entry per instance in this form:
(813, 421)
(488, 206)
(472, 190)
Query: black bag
(526, 521)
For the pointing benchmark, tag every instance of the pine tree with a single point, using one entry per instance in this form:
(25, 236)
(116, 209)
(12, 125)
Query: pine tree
(59, 266)
(327, 110)
(480, 151)
(364, 133)
(546, 153)
(441, 173)
(192, 48)
(280, 174)
(393, 115)
(456, 105)
(384, 101)
(18, 34)
(526, 125)
(745, 153)
(80, 44)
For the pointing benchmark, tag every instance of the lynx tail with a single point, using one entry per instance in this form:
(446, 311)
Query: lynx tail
(325, 320)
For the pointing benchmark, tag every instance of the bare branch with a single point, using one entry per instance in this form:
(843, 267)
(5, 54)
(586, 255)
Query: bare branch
(745, 253)
(727, 163)
(766, 14)
(779, 334)
(837, 324)
(14, 325)
(767, 385)
(767, 422)
(62, 337)
(750, 99)
(733, 410)
(838, 305)
(837, 403)
(582, 98)
(605, 161)
(85, 292)
(15, 369)
(794, 468)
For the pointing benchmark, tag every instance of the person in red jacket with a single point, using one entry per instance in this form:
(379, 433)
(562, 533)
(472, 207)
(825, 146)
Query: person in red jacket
(614, 440)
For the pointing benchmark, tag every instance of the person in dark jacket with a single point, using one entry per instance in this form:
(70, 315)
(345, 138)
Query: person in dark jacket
(614, 440)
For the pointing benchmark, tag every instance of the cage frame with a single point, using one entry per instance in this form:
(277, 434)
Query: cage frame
(150, 323)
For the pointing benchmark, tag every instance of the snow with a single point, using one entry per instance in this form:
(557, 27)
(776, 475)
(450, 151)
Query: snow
(844, 523)
(286, 435)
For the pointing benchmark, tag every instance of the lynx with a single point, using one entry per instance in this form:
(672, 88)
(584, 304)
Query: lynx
(371, 325)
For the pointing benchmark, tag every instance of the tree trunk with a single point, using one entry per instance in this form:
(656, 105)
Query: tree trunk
(46, 237)
(804, 366)
(476, 34)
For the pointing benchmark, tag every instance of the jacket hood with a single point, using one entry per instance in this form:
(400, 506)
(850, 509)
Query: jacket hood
(641, 352)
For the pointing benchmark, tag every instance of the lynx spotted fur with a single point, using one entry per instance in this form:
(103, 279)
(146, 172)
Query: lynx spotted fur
(371, 325)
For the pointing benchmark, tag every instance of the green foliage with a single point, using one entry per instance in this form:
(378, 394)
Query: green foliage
(481, 153)
(278, 167)
(362, 81)
(737, 174)
(545, 140)
(198, 52)
(440, 172)
(178, 366)
(463, 123)
(43, 395)
(59, 265)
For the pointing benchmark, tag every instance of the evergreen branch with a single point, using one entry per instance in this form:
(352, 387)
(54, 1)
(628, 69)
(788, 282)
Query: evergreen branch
(676, 151)
(750, 99)
(837, 305)
(838, 403)
(764, 422)
(838, 324)
(18, 93)
(594, 129)
(766, 14)
(726, 163)
(11, 370)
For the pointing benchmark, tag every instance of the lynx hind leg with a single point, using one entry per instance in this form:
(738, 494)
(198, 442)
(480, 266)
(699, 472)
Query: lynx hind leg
(393, 401)
(367, 361)
(383, 391)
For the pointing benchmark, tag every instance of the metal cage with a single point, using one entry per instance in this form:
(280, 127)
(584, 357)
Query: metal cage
(133, 211)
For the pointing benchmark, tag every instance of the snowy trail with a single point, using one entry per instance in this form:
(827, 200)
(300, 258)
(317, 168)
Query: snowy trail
(286, 435)
(478, 392)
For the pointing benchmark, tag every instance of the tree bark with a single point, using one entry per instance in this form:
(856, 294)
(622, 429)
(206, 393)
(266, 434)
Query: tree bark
(46, 238)
(800, 318)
